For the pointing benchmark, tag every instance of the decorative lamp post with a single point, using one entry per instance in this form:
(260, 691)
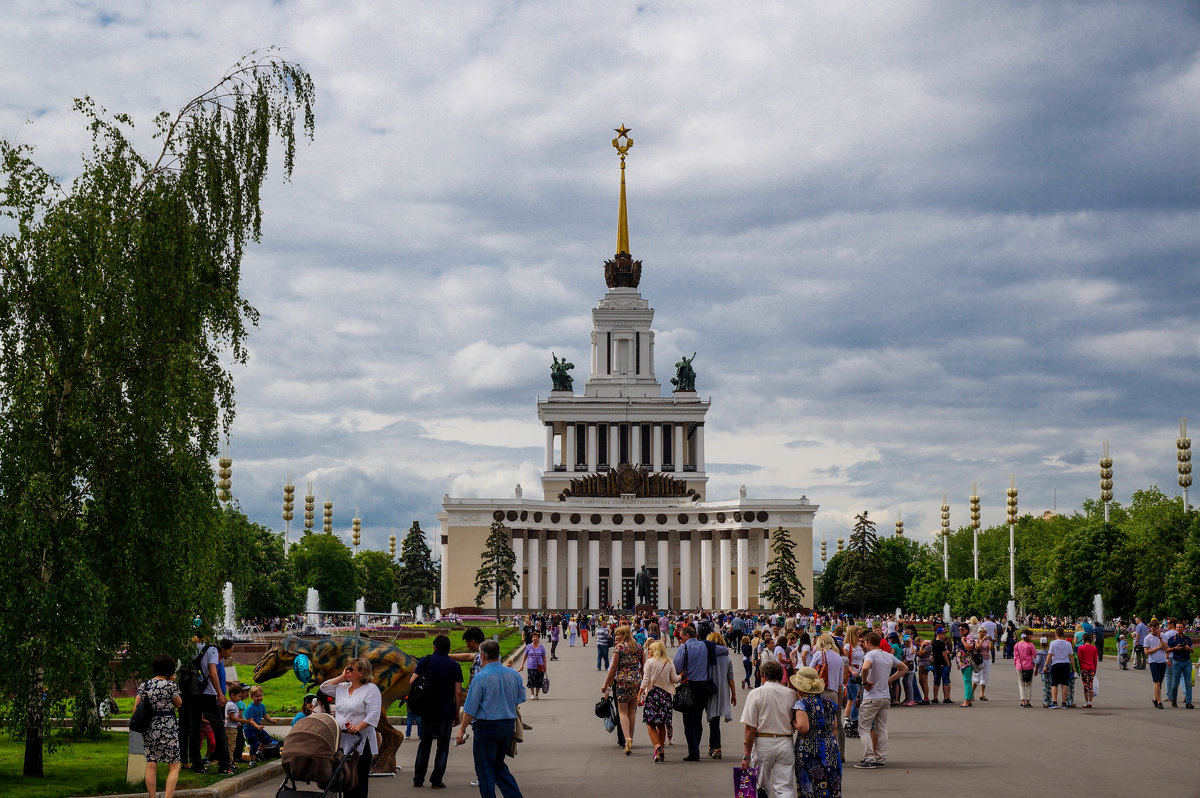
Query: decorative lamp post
(289, 504)
(309, 503)
(945, 539)
(1012, 535)
(356, 533)
(1184, 447)
(1106, 480)
(328, 526)
(223, 482)
(975, 525)
(392, 545)
(841, 544)
(822, 554)
(899, 525)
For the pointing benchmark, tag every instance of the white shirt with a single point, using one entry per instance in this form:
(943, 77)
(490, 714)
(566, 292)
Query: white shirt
(881, 670)
(769, 708)
(1149, 642)
(364, 705)
(991, 628)
(1060, 652)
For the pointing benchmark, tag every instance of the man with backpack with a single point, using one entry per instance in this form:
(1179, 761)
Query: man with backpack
(207, 696)
(440, 698)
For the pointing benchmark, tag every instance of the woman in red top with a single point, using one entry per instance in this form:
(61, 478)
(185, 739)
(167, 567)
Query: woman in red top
(1087, 656)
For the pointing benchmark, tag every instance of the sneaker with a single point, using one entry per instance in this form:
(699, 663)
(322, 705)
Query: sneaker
(229, 771)
(1175, 703)
(880, 763)
(947, 701)
(910, 703)
(866, 764)
(1053, 706)
(1190, 705)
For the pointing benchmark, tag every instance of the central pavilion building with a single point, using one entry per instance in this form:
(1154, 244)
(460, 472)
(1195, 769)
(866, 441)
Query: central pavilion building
(624, 485)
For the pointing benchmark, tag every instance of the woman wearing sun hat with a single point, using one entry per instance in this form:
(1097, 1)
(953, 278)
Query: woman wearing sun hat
(818, 758)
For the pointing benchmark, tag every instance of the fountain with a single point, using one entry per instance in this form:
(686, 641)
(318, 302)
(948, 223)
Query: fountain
(437, 613)
(312, 604)
(229, 624)
(946, 613)
(395, 612)
(897, 614)
(360, 608)
(1098, 609)
(420, 616)
(1012, 611)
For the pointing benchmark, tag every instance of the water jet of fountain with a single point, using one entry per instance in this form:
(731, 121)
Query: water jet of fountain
(1098, 608)
(395, 612)
(312, 605)
(420, 615)
(946, 613)
(1012, 611)
(897, 613)
(229, 625)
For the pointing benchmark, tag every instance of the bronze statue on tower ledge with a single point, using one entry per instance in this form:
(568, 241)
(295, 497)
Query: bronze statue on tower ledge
(622, 271)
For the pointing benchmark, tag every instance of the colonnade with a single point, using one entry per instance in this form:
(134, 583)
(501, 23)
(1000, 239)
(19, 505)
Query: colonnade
(722, 579)
(686, 450)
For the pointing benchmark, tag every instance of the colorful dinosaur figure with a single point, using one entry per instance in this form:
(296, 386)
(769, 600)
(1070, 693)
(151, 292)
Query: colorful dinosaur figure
(392, 673)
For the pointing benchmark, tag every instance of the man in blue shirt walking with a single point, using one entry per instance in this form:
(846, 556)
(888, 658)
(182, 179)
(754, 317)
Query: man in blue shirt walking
(492, 700)
(691, 662)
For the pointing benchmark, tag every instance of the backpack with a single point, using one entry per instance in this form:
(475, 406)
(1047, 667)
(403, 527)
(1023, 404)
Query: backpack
(192, 680)
(419, 693)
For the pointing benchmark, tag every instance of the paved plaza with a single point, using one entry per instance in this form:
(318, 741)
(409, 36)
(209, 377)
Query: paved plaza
(1123, 747)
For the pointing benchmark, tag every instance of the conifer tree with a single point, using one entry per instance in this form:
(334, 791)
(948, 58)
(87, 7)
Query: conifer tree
(781, 585)
(418, 577)
(498, 572)
(860, 575)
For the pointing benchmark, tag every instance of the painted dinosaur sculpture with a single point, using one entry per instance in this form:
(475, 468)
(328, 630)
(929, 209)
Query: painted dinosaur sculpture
(392, 672)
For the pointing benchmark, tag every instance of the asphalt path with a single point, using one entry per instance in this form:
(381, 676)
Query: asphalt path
(1121, 747)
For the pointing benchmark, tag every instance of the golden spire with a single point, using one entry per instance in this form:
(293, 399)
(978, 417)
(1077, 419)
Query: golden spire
(622, 215)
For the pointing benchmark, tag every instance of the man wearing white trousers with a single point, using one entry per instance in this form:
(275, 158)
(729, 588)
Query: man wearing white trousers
(767, 716)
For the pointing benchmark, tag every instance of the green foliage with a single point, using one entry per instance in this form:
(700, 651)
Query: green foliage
(418, 576)
(254, 560)
(861, 576)
(497, 574)
(826, 585)
(378, 580)
(783, 589)
(120, 304)
(326, 563)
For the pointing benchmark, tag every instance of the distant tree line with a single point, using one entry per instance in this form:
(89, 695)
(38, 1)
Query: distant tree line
(1145, 560)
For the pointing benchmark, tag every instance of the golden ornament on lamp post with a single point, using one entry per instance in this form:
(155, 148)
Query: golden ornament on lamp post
(1106, 484)
(945, 538)
(392, 545)
(1012, 535)
(841, 544)
(328, 525)
(225, 472)
(899, 525)
(289, 504)
(310, 502)
(975, 525)
(356, 531)
(823, 554)
(1183, 447)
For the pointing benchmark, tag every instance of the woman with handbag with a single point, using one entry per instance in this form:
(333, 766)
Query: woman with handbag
(161, 738)
(1024, 656)
(656, 694)
(966, 656)
(624, 676)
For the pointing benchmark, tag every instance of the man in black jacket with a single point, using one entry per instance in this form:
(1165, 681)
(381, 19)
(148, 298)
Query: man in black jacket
(439, 710)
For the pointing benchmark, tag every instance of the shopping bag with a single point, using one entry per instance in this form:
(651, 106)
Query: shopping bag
(745, 783)
(1096, 685)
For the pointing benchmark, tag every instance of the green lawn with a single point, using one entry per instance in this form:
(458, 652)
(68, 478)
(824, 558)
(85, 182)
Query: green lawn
(80, 768)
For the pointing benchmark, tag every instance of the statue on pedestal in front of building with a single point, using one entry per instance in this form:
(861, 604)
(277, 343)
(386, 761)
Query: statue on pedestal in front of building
(560, 378)
(685, 376)
(643, 586)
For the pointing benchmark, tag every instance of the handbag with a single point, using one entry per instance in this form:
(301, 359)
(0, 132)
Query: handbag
(1027, 674)
(684, 698)
(603, 708)
(545, 682)
(142, 714)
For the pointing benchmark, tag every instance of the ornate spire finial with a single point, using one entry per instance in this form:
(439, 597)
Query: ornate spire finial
(622, 215)
(622, 271)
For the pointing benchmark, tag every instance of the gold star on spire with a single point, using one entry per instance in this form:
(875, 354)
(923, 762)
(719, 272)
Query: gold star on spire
(622, 216)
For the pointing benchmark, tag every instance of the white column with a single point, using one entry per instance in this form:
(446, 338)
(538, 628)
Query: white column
(593, 448)
(615, 564)
(569, 446)
(518, 544)
(553, 600)
(572, 601)
(442, 561)
(677, 453)
(706, 594)
(639, 551)
(656, 447)
(549, 447)
(535, 572)
(664, 570)
(743, 568)
(687, 599)
(726, 565)
(614, 445)
(700, 449)
(635, 444)
(593, 570)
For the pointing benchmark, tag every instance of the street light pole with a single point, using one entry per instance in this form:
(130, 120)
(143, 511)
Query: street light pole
(975, 525)
(1184, 449)
(1012, 535)
(945, 539)
(1106, 473)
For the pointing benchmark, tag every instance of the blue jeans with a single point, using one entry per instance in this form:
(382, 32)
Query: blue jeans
(601, 654)
(492, 739)
(941, 675)
(852, 691)
(432, 730)
(1180, 672)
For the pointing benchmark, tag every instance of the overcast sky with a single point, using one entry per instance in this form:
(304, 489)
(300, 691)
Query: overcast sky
(915, 245)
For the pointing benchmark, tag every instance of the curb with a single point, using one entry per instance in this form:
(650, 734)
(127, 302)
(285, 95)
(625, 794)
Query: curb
(223, 788)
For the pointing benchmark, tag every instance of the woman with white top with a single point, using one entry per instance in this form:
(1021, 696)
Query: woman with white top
(655, 695)
(358, 704)
(853, 652)
(1156, 656)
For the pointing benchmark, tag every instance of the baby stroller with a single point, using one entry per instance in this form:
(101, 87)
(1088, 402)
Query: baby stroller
(312, 753)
